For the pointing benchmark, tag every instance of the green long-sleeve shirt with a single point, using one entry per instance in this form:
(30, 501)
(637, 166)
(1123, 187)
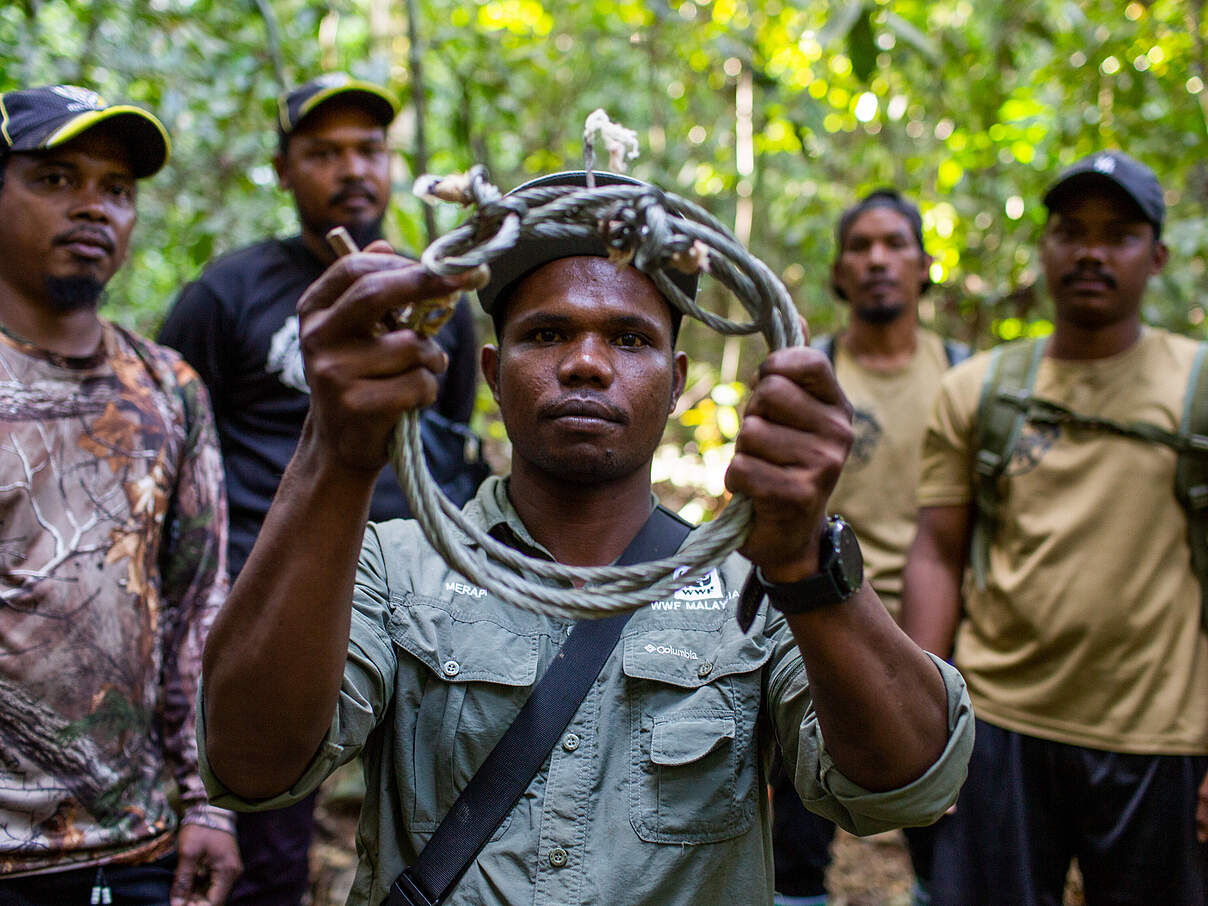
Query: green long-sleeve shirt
(656, 792)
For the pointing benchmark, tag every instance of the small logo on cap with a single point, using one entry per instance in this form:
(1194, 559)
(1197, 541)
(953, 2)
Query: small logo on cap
(1105, 163)
(79, 98)
(332, 79)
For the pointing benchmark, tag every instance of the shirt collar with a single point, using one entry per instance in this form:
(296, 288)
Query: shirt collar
(492, 509)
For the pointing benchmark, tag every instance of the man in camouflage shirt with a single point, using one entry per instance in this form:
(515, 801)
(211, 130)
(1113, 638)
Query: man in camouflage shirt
(112, 535)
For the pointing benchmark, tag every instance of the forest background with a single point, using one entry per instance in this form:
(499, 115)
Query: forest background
(773, 114)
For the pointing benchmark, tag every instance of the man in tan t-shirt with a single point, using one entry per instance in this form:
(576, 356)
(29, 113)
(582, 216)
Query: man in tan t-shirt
(1081, 638)
(890, 370)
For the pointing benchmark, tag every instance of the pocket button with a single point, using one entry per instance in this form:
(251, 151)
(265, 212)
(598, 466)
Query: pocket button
(704, 669)
(451, 667)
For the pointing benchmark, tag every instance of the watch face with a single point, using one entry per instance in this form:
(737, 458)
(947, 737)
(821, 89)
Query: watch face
(849, 561)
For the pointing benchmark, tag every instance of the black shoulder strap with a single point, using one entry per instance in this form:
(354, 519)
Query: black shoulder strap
(826, 343)
(523, 748)
(956, 352)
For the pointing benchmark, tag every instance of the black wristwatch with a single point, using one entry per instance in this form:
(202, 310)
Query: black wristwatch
(840, 573)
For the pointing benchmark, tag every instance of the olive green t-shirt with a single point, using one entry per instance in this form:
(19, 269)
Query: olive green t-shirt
(876, 492)
(1088, 631)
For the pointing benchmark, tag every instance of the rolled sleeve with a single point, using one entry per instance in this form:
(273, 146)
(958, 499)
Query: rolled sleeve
(827, 791)
(364, 695)
(331, 754)
(924, 800)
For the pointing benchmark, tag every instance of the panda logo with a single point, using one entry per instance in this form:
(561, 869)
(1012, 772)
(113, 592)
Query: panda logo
(866, 434)
(1034, 441)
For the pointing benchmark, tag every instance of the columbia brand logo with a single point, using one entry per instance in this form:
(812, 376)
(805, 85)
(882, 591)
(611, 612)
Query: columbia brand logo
(685, 653)
(1105, 164)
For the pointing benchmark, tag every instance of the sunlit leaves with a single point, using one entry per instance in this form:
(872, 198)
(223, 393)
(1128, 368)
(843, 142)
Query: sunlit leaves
(521, 17)
(969, 107)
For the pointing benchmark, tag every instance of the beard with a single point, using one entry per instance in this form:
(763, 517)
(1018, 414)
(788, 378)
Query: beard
(603, 468)
(879, 314)
(70, 294)
(363, 232)
(587, 465)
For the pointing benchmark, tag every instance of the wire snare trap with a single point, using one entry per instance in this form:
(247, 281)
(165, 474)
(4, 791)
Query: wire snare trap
(640, 225)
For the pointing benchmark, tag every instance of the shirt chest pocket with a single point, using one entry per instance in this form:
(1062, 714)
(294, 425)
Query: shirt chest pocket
(476, 667)
(693, 759)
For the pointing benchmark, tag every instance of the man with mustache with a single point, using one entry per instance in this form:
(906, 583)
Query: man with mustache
(655, 792)
(1081, 630)
(237, 325)
(889, 368)
(113, 524)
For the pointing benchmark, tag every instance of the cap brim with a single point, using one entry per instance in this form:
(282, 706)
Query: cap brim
(147, 138)
(529, 254)
(382, 104)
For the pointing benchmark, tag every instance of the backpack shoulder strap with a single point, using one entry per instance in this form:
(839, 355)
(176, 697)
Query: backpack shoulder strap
(1191, 472)
(996, 429)
(956, 352)
(826, 343)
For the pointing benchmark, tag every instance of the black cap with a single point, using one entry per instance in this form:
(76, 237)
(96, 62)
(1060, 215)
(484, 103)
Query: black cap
(38, 119)
(1118, 169)
(529, 254)
(294, 107)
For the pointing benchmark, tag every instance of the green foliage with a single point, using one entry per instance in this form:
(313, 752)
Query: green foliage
(969, 106)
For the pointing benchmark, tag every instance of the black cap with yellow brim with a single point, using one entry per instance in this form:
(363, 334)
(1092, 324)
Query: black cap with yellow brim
(529, 254)
(38, 119)
(294, 107)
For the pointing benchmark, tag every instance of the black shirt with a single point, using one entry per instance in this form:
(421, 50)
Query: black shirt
(237, 325)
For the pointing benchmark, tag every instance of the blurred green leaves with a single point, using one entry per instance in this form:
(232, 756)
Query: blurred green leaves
(970, 107)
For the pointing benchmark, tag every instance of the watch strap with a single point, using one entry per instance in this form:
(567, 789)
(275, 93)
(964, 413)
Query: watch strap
(811, 593)
(821, 589)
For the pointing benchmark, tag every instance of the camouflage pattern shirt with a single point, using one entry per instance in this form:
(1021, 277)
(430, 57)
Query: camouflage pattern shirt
(112, 566)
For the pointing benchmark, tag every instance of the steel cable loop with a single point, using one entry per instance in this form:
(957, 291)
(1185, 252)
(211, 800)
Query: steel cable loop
(652, 230)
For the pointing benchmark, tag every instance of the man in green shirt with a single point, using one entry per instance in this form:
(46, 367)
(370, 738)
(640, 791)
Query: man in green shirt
(656, 792)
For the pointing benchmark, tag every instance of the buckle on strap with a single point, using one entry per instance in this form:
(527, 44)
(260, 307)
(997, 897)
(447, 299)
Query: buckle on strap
(405, 892)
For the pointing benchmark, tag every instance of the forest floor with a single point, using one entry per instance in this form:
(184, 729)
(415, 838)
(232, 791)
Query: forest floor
(870, 871)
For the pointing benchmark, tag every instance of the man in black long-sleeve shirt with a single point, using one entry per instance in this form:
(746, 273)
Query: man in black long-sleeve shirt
(236, 324)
